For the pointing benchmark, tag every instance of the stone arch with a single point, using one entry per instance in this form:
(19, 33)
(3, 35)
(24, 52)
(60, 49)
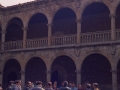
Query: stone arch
(12, 67)
(96, 68)
(95, 14)
(14, 29)
(37, 26)
(66, 65)
(63, 54)
(38, 68)
(109, 57)
(64, 22)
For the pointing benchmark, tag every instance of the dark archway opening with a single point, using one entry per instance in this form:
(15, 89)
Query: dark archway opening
(96, 69)
(14, 30)
(118, 18)
(64, 22)
(96, 18)
(11, 72)
(63, 68)
(37, 26)
(35, 70)
(118, 74)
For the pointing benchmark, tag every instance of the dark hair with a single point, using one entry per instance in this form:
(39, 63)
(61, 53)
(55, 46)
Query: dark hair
(49, 84)
(65, 83)
(11, 82)
(38, 83)
(17, 81)
(95, 84)
(88, 85)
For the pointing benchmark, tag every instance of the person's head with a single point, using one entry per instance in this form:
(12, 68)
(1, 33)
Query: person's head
(73, 84)
(49, 84)
(29, 83)
(65, 83)
(79, 86)
(55, 82)
(11, 83)
(18, 82)
(95, 85)
(38, 83)
(88, 85)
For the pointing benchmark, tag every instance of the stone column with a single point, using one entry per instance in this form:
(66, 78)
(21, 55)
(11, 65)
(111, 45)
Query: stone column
(78, 72)
(1, 77)
(78, 30)
(22, 79)
(24, 36)
(3, 39)
(48, 76)
(113, 36)
(114, 79)
(49, 34)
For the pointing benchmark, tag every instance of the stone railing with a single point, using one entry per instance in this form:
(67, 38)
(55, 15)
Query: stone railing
(13, 45)
(85, 39)
(64, 40)
(117, 34)
(34, 43)
(95, 37)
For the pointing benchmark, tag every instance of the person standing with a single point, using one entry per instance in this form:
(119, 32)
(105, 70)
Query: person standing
(65, 86)
(10, 86)
(88, 86)
(95, 86)
(17, 85)
(28, 86)
(80, 87)
(73, 86)
(38, 86)
(49, 86)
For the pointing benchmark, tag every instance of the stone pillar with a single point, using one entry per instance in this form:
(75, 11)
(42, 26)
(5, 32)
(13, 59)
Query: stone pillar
(113, 33)
(78, 72)
(78, 30)
(1, 77)
(49, 34)
(24, 36)
(22, 79)
(48, 76)
(3, 39)
(114, 79)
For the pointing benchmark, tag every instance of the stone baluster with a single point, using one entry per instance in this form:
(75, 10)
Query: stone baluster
(78, 72)
(48, 75)
(22, 79)
(24, 36)
(113, 35)
(1, 77)
(3, 39)
(114, 79)
(78, 30)
(49, 34)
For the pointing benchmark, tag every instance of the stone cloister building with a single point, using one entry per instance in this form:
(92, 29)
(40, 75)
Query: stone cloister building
(74, 40)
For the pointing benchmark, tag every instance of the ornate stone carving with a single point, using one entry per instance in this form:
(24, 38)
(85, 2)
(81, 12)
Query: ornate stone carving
(112, 49)
(22, 55)
(77, 52)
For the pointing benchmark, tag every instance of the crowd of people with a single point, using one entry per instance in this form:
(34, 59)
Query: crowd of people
(16, 85)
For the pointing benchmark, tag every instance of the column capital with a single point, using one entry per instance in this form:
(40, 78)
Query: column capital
(49, 25)
(78, 20)
(25, 28)
(48, 72)
(114, 71)
(3, 32)
(78, 71)
(112, 15)
(22, 72)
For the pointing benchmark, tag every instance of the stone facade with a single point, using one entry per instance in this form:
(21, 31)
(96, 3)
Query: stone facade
(77, 47)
